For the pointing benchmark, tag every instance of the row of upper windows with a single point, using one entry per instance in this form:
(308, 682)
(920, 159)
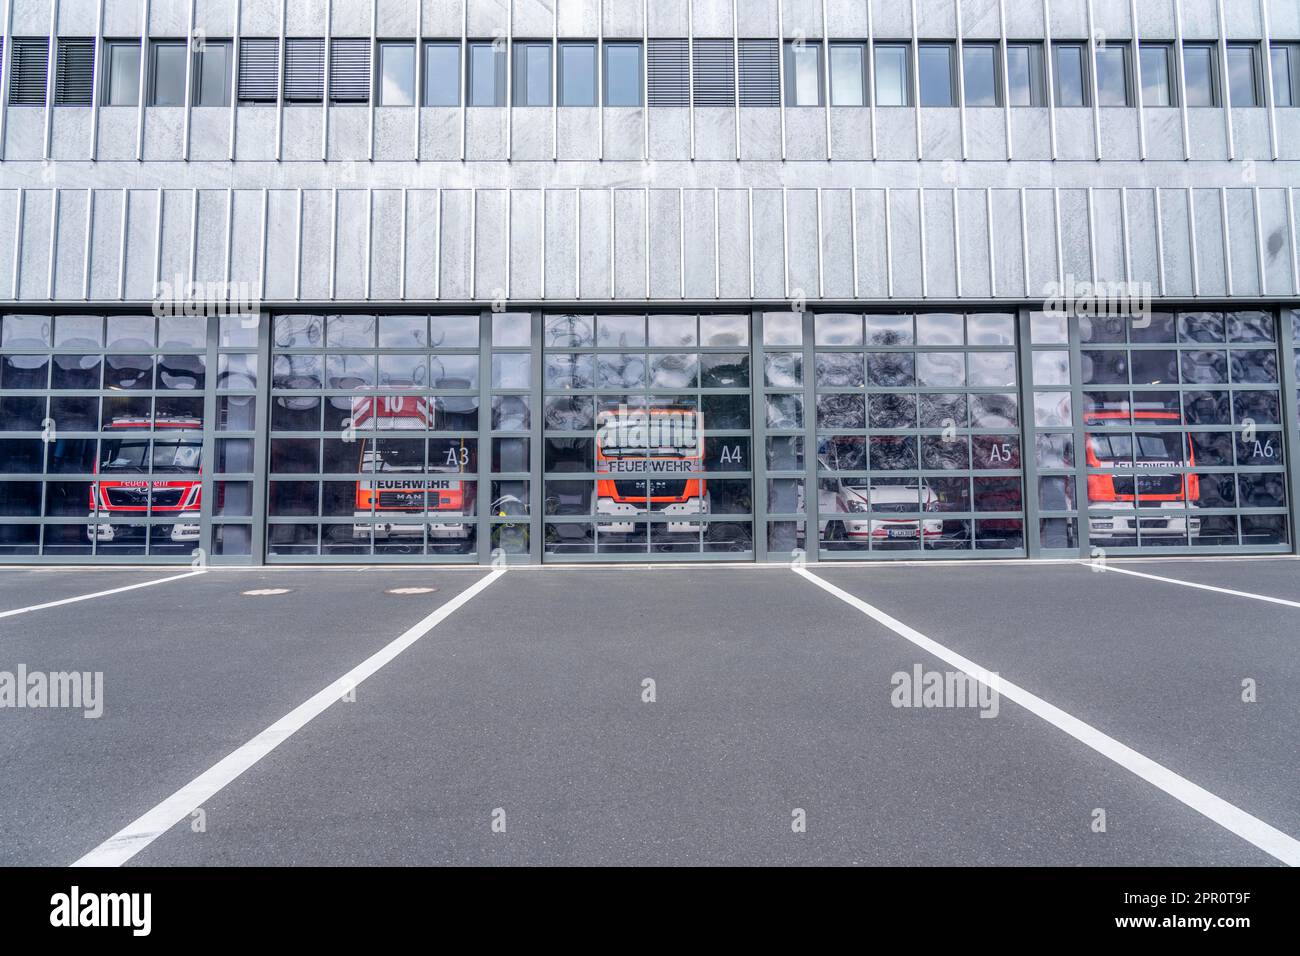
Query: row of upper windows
(676, 73)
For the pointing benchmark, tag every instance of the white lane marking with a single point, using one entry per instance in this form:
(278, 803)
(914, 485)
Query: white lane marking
(1203, 587)
(135, 836)
(1269, 839)
(97, 594)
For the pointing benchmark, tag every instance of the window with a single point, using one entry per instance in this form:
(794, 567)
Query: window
(622, 74)
(892, 81)
(1025, 84)
(715, 73)
(74, 78)
(577, 74)
(1286, 73)
(28, 71)
(980, 74)
(396, 74)
(1243, 75)
(1157, 75)
(442, 74)
(848, 74)
(532, 74)
(212, 74)
(259, 70)
(122, 73)
(167, 74)
(803, 74)
(1112, 75)
(304, 70)
(487, 74)
(1071, 83)
(350, 70)
(666, 59)
(935, 66)
(760, 76)
(1198, 75)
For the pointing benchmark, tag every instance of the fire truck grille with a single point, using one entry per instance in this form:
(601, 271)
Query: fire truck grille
(139, 497)
(405, 499)
(1150, 485)
(659, 488)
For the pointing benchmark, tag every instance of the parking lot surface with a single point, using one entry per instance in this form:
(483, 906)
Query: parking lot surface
(670, 715)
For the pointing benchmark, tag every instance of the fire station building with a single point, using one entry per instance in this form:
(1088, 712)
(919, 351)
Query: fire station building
(308, 281)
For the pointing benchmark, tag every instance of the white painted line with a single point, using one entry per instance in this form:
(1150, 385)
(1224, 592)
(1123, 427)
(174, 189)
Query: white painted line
(134, 837)
(1192, 584)
(98, 594)
(1251, 829)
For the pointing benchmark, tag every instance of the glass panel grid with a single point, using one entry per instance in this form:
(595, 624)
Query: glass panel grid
(917, 427)
(374, 448)
(647, 436)
(102, 431)
(1183, 432)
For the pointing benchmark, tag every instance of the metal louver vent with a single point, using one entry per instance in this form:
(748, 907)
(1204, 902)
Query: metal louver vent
(350, 70)
(259, 69)
(760, 77)
(669, 69)
(715, 73)
(28, 71)
(74, 80)
(304, 69)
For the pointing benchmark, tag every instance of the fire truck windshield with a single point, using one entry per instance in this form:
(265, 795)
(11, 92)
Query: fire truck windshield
(392, 456)
(174, 456)
(1150, 447)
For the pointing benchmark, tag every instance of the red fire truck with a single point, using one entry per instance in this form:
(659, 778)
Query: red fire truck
(131, 450)
(645, 460)
(1158, 480)
(401, 492)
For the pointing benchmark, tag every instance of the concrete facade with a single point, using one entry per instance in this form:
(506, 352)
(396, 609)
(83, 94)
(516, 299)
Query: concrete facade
(632, 204)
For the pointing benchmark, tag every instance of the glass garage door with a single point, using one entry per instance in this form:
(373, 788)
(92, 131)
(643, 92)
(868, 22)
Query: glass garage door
(917, 424)
(118, 444)
(374, 438)
(1182, 432)
(647, 439)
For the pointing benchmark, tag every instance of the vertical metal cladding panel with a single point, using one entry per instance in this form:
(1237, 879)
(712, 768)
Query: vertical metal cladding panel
(259, 69)
(668, 73)
(350, 70)
(715, 73)
(74, 80)
(304, 69)
(28, 70)
(759, 73)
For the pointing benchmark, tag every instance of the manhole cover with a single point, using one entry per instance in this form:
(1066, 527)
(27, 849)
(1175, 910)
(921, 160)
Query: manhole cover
(411, 590)
(265, 592)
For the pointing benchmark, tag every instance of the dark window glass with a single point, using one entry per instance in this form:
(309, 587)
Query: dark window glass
(1071, 87)
(935, 65)
(980, 74)
(167, 74)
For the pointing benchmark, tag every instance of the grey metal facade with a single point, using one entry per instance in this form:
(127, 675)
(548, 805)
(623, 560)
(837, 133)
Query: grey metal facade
(366, 208)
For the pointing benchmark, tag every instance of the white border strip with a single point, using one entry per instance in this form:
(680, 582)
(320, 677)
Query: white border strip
(1201, 587)
(134, 837)
(98, 594)
(1251, 829)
